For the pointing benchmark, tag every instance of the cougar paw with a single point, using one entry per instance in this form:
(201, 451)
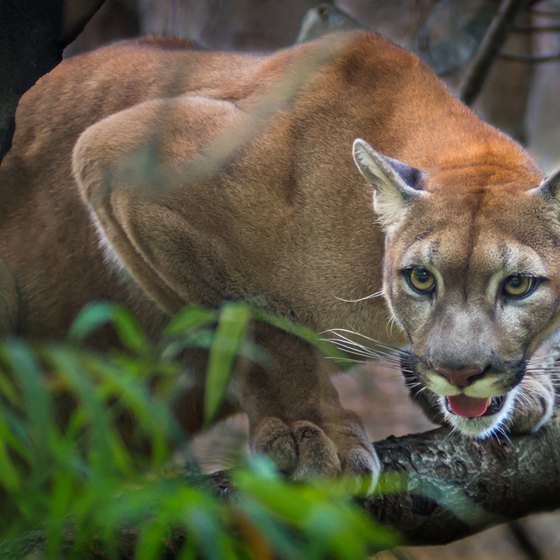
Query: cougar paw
(317, 453)
(304, 450)
(274, 439)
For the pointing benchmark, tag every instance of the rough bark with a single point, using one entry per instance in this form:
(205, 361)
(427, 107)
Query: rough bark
(450, 487)
(455, 487)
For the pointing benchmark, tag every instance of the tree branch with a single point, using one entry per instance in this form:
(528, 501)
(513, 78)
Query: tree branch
(452, 487)
(447, 487)
(476, 72)
(530, 59)
(529, 29)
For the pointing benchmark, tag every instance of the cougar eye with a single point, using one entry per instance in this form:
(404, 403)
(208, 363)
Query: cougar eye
(519, 286)
(421, 280)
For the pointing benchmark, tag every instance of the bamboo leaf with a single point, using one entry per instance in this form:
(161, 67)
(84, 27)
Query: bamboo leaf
(37, 400)
(193, 317)
(98, 314)
(232, 327)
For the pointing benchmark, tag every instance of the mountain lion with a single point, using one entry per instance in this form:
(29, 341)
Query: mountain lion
(154, 174)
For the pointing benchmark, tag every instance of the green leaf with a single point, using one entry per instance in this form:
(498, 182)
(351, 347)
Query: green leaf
(190, 318)
(37, 400)
(10, 479)
(84, 479)
(154, 419)
(68, 366)
(230, 334)
(98, 314)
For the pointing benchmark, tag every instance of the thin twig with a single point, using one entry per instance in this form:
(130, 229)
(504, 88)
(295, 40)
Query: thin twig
(530, 59)
(545, 13)
(527, 29)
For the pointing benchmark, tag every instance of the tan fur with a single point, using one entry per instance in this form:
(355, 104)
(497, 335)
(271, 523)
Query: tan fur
(153, 175)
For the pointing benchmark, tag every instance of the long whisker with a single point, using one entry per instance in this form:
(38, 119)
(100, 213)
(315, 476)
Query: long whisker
(388, 370)
(346, 360)
(342, 341)
(390, 325)
(453, 430)
(355, 349)
(542, 371)
(339, 331)
(371, 296)
(371, 355)
(553, 355)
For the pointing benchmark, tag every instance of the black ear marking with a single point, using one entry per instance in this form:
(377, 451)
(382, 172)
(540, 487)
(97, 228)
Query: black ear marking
(412, 176)
(383, 172)
(395, 184)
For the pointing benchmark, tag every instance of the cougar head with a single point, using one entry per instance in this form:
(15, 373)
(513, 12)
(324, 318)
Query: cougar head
(472, 277)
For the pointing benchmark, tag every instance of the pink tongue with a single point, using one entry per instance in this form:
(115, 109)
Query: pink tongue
(468, 406)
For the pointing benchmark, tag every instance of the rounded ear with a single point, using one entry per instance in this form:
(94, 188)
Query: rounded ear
(549, 189)
(143, 173)
(395, 184)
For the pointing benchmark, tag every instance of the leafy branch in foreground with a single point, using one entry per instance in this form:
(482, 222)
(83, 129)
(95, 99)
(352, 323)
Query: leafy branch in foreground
(88, 448)
(88, 460)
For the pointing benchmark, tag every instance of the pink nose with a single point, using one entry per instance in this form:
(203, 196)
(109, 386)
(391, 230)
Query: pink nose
(459, 377)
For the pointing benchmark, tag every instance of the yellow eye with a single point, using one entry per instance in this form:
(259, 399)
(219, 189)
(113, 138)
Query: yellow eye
(420, 280)
(520, 286)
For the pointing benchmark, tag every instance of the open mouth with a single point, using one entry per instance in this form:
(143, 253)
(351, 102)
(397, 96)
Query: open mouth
(472, 407)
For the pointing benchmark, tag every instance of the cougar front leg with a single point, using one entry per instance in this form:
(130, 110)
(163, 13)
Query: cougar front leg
(166, 185)
(295, 416)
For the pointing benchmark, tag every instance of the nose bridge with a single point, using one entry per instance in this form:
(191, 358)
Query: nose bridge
(461, 340)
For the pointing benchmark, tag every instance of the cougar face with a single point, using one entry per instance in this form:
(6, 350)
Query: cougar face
(472, 276)
(474, 308)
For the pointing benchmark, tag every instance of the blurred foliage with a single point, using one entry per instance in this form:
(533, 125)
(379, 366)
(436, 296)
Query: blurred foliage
(88, 453)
